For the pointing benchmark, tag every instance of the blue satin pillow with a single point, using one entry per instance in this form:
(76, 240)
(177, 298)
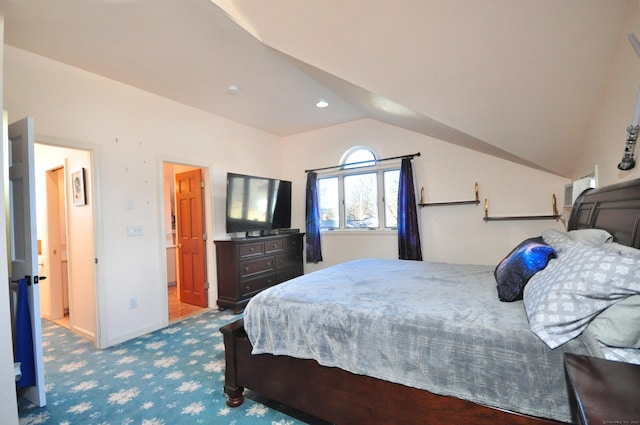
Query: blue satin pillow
(515, 270)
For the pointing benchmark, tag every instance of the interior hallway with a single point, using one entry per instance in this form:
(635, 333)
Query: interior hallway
(177, 310)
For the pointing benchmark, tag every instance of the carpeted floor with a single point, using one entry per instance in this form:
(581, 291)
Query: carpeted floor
(172, 376)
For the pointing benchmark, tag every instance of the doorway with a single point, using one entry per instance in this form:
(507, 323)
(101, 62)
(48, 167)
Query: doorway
(185, 241)
(66, 238)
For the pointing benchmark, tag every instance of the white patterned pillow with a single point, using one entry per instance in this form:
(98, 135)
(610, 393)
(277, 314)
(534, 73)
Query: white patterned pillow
(583, 281)
(557, 239)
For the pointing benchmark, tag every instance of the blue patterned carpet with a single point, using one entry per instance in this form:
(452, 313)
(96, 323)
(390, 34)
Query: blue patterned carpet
(172, 376)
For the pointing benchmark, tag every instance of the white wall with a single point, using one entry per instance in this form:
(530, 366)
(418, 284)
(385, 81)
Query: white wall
(131, 133)
(455, 234)
(607, 136)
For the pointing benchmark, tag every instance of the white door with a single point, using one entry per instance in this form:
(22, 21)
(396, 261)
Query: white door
(22, 236)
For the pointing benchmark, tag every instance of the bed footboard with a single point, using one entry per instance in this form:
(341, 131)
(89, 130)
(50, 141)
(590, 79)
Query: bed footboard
(231, 333)
(341, 397)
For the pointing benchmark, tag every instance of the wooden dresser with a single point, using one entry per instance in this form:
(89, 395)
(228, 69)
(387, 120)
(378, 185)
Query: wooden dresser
(247, 266)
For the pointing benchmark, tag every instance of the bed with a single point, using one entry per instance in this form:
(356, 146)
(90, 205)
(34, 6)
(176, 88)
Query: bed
(419, 357)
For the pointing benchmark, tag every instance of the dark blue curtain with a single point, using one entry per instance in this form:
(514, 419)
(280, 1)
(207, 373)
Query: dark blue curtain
(408, 234)
(24, 337)
(314, 251)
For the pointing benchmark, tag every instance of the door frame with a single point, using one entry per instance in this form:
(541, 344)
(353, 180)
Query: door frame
(95, 205)
(208, 195)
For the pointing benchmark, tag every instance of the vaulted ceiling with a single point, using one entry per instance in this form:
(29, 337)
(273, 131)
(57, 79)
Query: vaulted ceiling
(518, 79)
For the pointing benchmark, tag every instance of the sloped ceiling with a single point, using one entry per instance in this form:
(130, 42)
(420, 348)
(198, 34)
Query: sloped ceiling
(518, 79)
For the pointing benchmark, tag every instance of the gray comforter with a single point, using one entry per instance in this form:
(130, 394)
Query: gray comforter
(433, 326)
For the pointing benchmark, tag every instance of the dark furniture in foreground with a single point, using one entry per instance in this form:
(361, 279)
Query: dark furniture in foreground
(341, 397)
(344, 398)
(250, 265)
(603, 391)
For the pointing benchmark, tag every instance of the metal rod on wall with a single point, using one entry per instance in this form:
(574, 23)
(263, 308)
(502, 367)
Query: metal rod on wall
(628, 162)
(411, 156)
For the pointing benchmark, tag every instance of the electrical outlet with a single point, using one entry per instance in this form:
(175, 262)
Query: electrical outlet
(133, 303)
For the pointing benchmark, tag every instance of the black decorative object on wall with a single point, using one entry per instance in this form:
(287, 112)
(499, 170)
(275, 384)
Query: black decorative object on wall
(628, 162)
(78, 188)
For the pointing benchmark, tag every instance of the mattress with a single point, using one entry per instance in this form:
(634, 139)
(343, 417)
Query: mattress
(433, 326)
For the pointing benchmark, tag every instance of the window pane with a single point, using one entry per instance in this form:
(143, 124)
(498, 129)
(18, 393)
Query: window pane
(361, 200)
(391, 181)
(329, 203)
(364, 157)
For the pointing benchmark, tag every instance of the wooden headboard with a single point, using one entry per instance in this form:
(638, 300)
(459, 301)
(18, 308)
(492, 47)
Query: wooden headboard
(614, 208)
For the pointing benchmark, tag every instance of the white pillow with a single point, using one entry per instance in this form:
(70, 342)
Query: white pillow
(590, 236)
(618, 325)
(558, 239)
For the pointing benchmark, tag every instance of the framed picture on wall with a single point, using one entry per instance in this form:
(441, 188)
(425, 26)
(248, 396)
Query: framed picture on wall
(78, 188)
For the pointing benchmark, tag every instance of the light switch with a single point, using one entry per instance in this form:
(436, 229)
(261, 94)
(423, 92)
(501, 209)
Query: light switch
(134, 231)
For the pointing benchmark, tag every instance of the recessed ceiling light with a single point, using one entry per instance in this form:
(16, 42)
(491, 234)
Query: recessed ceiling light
(322, 104)
(233, 89)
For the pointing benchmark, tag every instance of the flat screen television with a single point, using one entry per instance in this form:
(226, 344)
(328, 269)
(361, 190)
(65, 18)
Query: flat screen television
(257, 204)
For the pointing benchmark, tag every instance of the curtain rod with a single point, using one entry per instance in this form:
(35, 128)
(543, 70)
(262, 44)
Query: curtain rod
(410, 156)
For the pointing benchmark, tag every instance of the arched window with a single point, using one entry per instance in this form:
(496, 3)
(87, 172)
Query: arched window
(358, 156)
(361, 194)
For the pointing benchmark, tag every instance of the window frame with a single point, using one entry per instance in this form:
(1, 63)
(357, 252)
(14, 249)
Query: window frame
(345, 170)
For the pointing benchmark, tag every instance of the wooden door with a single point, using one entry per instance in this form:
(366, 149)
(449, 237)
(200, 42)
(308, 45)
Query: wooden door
(192, 271)
(57, 244)
(22, 237)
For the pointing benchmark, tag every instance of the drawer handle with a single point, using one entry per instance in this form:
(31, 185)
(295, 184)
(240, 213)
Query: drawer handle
(251, 249)
(268, 263)
(247, 288)
(246, 269)
(274, 246)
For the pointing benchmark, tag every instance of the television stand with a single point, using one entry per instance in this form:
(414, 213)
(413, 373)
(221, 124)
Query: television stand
(247, 266)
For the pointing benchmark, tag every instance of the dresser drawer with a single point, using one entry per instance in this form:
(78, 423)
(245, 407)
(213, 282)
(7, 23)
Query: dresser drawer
(259, 265)
(286, 274)
(274, 246)
(250, 249)
(251, 287)
(293, 243)
(288, 260)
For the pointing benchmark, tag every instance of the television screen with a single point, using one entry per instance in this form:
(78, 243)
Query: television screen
(257, 203)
